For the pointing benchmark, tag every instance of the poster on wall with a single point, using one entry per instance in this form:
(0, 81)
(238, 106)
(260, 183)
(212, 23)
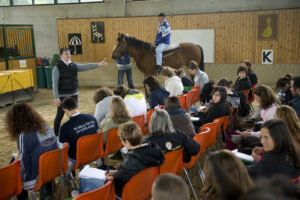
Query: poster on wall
(267, 27)
(75, 43)
(97, 32)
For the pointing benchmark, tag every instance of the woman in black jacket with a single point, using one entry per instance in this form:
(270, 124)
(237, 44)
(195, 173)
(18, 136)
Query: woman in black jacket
(162, 133)
(218, 108)
(280, 155)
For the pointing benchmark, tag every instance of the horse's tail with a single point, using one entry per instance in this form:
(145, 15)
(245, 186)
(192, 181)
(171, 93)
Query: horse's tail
(201, 64)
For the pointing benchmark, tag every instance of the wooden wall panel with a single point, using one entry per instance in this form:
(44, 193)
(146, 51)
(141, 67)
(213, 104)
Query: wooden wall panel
(235, 34)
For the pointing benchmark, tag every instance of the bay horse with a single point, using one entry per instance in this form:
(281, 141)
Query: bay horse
(144, 54)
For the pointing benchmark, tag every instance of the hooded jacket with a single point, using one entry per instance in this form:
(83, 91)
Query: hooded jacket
(174, 86)
(157, 96)
(136, 160)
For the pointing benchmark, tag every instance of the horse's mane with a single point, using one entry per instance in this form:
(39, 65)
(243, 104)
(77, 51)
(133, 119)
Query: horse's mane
(139, 44)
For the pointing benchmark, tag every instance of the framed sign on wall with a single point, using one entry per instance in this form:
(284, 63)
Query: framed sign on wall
(97, 32)
(75, 43)
(267, 27)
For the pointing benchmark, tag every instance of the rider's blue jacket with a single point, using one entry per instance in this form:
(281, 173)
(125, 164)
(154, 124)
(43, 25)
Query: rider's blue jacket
(163, 34)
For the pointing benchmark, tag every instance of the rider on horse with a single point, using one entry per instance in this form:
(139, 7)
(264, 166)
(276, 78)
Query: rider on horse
(162, 40)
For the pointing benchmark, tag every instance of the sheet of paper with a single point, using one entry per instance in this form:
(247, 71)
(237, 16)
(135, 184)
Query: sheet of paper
(90, 172)
(195, 119)
(243, 156)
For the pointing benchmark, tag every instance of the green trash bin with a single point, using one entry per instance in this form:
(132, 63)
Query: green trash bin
(54, 60)
(41, 77)
(48, 72)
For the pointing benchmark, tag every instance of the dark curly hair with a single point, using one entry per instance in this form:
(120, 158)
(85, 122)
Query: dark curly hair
(101, 93)
(22, 118)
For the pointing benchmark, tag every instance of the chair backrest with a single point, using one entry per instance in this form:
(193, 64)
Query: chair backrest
(246, 93)
(49, 166)
(202, 138)
(140, 121)
(149, 114)
(173, 162)
(10, 180)
(139, 186)
(182, 100)
(252, 96)
(213, 130)
(89, 148)
(223, 123)
(190, 98)
(106, 192)
(113, 142)
(197, 94)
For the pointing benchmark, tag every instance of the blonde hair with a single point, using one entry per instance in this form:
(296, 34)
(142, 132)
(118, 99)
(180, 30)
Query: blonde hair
(119, 112)
(167, 71)
(131, 132)
(231, 165)
(289, 116)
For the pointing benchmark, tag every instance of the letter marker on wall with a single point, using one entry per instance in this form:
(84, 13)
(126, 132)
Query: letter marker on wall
(267, 56)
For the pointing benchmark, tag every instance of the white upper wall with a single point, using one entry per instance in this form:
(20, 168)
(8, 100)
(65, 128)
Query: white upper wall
(44, 18)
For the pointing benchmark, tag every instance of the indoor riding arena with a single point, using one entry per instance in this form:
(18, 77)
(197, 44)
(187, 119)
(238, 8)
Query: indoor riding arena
(209, 109)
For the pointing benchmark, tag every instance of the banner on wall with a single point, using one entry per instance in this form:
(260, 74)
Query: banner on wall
(75, 43)
(97, 32)
(267, 27)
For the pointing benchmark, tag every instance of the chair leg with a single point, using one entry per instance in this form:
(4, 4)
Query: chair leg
(191, 185)
(73, 180)
(202, 177)
(32, 195)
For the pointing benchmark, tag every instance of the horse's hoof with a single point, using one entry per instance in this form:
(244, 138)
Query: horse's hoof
(157, 70)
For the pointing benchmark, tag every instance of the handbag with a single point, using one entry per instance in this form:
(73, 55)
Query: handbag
(63, 187)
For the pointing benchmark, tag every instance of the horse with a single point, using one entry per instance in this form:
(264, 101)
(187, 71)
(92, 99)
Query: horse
(144, 54)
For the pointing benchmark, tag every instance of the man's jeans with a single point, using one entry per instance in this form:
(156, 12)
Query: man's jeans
(159, 49)
(128, 75)
(89, 184)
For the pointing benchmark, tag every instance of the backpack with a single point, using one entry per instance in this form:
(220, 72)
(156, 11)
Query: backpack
(206, 95)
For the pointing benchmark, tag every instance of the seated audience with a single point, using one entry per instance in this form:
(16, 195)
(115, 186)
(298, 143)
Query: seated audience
(280, 155)
(186, 81)
(173, 83)
(251, 74)
(221, 165)
(242, 82)
(157, 94)
(139, 156)
(161, 132)
(268, 102)
(218, 108)
(102, 98)
(295, 89)
(284, 95)
(33, 136)
(180, 118)
(134, 100)
(200, 77)
(169, 186)
(118, 114)
(234, 98)
(77, 126)
(289, 116)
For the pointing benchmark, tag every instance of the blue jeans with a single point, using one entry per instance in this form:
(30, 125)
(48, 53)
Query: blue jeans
(159, 49)
(128, 75)
(89, 184)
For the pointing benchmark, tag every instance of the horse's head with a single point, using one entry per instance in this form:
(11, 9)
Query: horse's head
(120, 46)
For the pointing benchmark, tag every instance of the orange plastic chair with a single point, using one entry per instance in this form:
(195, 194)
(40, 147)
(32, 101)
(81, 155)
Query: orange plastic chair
(213, 129)
(197, 95)
(203, 138)
(173, 162)
(140, 121)
(113, 142)
(190, 99)
(89, 148)
(222, 125)
(149, 114)
(10, 180)
(106, 192)
(49, 167)
(246, 93)
(182, 100)
(139, 186)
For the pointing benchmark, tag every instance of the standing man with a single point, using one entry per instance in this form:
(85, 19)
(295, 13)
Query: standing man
(124, 66)
(295, 89)
(65, 81)
(162, 40)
